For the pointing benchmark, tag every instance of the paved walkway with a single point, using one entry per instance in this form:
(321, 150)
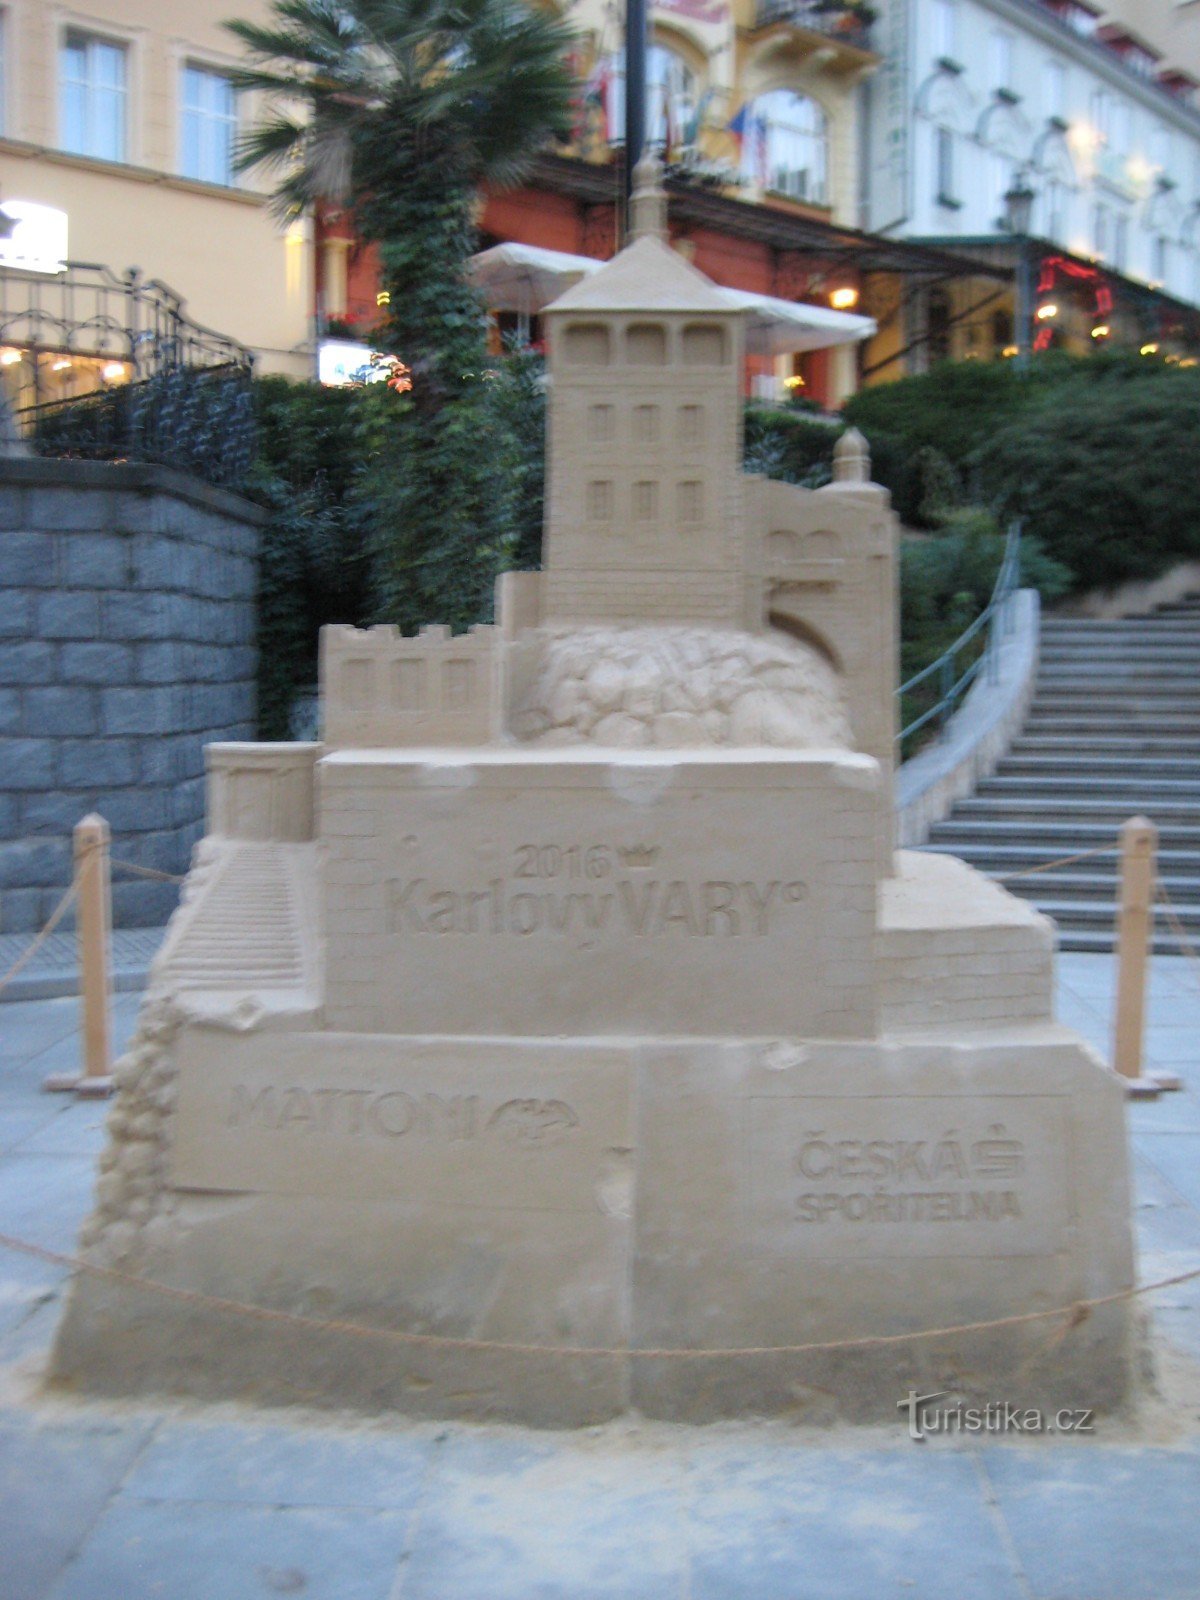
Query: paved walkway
(125, 1502)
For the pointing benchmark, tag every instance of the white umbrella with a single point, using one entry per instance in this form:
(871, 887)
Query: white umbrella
(777, 327)
(525, 278)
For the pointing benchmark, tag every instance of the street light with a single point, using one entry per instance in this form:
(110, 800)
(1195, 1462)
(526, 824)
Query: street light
(1018, 215)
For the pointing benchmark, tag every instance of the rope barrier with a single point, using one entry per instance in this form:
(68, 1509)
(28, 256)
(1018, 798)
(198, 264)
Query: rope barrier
(1049, 866)
(1177, 927)
(1075, 1313)
(145, 872)
(55, 918)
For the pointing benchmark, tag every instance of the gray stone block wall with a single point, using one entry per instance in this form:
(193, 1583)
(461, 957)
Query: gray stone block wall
(127, 643)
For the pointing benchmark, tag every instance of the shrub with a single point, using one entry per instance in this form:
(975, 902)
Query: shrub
(789, 444)
(1106, 472)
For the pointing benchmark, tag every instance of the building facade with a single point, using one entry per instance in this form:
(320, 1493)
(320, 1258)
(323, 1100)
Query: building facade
(116, 148)
(1104, 130)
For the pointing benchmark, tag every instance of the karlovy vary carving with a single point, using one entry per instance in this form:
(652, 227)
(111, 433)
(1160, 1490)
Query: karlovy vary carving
(570, 993)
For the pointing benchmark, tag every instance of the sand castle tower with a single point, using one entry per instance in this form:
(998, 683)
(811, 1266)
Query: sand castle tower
(567, 1005)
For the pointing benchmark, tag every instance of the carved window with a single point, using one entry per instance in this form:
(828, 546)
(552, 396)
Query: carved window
(691, 503)
(358, 684)
(703, 345)
(645, 500)
(408, 685)
(691, 424)
(646, 345)
(587, 344)
(646, 427)
(600, 424)
(458, 685)
(599, 501)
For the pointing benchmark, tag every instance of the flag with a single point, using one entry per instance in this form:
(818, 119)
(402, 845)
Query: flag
(737, 125)
(691, 128)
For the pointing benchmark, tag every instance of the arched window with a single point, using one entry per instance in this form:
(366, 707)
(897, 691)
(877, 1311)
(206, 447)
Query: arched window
(787, 146)
(671, 100)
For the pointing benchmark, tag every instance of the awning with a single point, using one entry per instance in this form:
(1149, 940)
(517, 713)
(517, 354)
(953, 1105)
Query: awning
(525, 278)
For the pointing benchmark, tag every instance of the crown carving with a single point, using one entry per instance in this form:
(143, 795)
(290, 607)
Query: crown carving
(638, 855)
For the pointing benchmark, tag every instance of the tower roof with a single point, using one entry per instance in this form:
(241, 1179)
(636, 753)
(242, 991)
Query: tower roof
(646, 276)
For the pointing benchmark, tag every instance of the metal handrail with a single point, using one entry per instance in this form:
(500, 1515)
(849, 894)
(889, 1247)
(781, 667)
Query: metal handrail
(953, 688)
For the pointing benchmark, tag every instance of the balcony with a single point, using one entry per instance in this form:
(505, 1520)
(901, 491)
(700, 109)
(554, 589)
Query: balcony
(847, 24)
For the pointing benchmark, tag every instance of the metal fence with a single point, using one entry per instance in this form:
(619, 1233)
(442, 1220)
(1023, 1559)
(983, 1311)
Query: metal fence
(972, 653)
(163, 388)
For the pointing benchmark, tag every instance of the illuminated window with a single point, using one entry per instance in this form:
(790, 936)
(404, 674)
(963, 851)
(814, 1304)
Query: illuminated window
(92, 83)
(789, 150)
(208, 125)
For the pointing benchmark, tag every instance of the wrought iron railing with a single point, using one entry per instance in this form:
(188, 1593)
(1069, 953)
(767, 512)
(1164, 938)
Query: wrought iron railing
(972, 653)
(156, 386)
(848, 22)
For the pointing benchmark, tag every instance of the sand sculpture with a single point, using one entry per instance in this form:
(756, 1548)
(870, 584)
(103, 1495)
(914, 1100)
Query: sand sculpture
(570, 995)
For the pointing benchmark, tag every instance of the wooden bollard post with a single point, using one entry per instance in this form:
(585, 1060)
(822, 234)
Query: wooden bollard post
(94, 923)
(1135, 916)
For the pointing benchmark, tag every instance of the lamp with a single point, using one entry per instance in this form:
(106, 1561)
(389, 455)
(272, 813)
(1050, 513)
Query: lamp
(1018, 215)
(1018, 205)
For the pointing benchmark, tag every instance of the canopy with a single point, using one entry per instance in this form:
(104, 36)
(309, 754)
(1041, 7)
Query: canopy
(526, 278)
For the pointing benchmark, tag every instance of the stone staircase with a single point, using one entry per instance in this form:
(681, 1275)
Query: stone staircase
(1114, 729)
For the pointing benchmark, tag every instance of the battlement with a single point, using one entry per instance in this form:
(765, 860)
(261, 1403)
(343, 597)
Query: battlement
(381, 689)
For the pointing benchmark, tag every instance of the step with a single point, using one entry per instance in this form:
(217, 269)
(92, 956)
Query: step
(1107, 786)
(1066, 836)
(1113, 744)
(1091, 914)
(998, 858)
(1107, 702)
(1149, 769)
(1083, 807)
(1094, 941)
(1065, 724)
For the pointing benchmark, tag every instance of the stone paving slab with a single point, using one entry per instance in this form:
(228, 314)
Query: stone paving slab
(121, 1501)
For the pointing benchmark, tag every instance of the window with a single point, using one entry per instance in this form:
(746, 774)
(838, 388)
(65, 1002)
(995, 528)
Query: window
(1001, 174)
(1054, 89)
(1101, 113)
(1054, 201)
(671, 100)
(92, 85)
(208, 125)
(790, 153)
(1120, 247)
(1162, 259)
(1100, 230)
(1163, 152)
(1002, 61)
(945, 30)
(1122, 128)
(944, 162)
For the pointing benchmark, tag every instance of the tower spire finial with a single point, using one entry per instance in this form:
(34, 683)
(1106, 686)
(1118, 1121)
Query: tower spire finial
(648, 207)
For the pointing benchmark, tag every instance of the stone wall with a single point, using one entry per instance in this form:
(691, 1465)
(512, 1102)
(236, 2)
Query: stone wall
(127, 624)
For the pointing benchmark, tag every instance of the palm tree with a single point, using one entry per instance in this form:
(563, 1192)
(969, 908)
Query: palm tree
(399, 110)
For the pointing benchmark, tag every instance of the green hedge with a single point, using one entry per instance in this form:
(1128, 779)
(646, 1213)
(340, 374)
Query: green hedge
(1106, 473)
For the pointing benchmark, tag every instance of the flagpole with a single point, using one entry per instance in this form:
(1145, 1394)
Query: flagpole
(636, 31)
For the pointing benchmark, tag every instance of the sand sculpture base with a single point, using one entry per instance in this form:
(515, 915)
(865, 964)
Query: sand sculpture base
(870, 1125)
